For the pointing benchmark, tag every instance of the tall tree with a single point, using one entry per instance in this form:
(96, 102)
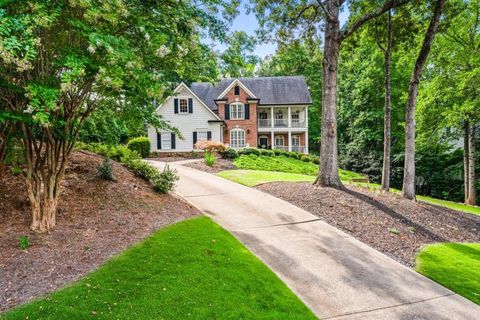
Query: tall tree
(408, 188)
(60, 59)
(239, 60)
(308, 15)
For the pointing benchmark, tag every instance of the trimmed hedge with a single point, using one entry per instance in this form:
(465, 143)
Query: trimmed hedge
(274, 153)
(141, 145)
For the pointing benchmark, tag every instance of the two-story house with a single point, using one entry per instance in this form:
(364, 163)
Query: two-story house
(264, 112)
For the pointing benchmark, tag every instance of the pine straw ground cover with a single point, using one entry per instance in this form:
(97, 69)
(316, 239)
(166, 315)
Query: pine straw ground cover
(389, 223)
(96, 219)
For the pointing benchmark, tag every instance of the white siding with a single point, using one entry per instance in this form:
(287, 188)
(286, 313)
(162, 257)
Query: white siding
(186, 123)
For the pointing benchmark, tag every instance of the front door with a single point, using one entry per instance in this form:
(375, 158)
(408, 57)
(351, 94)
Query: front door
(263, 142)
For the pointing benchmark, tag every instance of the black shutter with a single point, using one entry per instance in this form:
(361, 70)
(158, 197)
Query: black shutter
(175, 105)
(209, 135)
(227, 112)
(247, 111)
(159, 141)
(190, 105)
(173, 140)
(194, 137)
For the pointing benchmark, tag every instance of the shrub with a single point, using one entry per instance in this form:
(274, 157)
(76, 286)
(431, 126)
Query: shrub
(266, 152)
(210, 158)
(294, 155)
(141, 145)
(306, 158)
(23, 242)
(164, 181)
(248, 151)
(210, 146)
(280, 152)
(230, 153)
(316, 160)
(105, 171)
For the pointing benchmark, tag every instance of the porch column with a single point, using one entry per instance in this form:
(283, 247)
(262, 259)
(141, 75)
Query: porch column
(272, 140)
(289, 135)
(306, 142)
(271, 118)
(289, 116)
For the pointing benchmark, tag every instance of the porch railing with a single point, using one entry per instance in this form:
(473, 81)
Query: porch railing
(298, 123)
(281, 148)
(299, 149)
(281, 123)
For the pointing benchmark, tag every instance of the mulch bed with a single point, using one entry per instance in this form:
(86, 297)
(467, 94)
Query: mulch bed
(220, 165)
(389, 223)
(95, 220)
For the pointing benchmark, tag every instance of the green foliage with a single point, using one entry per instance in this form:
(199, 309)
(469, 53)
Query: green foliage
(247, 151)
(105, 170)
(209, 158)
(23, 242)
(153, 280)
(162, 182)
(239, 60)
(229, 153)
(285, 164)
(141, 145)
(453, 265)
(16, 171)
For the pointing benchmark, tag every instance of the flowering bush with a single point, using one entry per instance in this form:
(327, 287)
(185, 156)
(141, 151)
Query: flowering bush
(210, 146)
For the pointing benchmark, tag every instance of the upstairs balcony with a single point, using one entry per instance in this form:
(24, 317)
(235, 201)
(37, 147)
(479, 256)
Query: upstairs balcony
(291, 117)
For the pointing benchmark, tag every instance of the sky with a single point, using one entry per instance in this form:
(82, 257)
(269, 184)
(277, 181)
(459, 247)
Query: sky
(249, 23)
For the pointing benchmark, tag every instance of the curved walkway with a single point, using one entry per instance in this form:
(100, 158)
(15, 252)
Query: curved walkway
(337, 276)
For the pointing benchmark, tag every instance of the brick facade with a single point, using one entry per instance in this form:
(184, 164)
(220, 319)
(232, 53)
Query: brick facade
(249, 125)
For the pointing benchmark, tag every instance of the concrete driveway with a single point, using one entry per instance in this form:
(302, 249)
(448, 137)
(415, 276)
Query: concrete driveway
(337, 276)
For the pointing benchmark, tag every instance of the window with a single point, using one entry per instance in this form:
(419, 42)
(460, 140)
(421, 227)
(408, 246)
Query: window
(279, 141)
(237, 111)
(236, 90)
(202, 135)
(183, 103)
(237, 138)
(296, 141)
(166, 140)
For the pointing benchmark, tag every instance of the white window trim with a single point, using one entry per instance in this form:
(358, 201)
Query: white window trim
(296, 137)
(179, 105)
(283, 141)
(199, 131)
(237, 145)
(237, 105)
(169, 139)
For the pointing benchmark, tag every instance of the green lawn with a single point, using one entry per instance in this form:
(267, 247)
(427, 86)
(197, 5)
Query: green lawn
(454, 265)
(251, 178)
(190, 270)
(286, 164)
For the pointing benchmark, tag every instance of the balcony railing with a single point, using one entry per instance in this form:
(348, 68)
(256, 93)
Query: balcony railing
(281, 123)
(281, 148)
(298, 123)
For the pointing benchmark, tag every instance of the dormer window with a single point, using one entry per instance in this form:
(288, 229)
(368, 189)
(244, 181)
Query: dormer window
(236, 90)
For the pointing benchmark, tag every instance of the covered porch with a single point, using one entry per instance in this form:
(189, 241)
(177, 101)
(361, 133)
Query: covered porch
(288, 141)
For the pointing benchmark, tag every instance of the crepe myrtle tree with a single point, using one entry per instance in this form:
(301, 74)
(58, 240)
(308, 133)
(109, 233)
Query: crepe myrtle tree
(289, 20)
(60, 59)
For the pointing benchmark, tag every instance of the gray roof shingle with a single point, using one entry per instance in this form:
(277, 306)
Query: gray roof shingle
(270, 90)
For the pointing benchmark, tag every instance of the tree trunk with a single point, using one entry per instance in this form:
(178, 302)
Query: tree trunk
(388, 108)
(6, 130)
(466, 133)
(45, 160)
(408, 189)
(328, 175)
(472, 192)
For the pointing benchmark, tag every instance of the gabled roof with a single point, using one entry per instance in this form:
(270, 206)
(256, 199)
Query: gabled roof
(202, 102)
(270, 90)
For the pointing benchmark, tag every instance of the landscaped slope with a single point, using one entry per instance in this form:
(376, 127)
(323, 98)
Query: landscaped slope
(251, 178)
(193, 269)
(96, 218)
(286, 164)
(454, 265)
